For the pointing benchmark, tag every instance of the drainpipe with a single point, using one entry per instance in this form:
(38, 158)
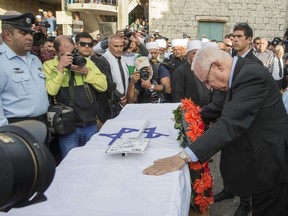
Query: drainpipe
(122, 15)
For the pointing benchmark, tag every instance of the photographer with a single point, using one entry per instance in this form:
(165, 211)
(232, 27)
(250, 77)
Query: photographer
(143, 87)
(39, 40)
(72, 80)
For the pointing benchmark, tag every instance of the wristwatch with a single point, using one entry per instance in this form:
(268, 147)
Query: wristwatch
(184, 157)
(152, 88)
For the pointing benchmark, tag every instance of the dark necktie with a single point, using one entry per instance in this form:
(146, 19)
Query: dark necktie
(122, 73)
(280, 68)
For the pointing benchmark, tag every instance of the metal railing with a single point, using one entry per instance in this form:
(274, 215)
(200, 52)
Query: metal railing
(103, 2)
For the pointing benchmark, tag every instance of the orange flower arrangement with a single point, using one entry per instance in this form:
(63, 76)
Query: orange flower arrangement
(188, 121)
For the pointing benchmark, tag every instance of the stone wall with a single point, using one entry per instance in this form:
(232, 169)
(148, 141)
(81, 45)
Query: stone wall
(173, 17)
(25, 6)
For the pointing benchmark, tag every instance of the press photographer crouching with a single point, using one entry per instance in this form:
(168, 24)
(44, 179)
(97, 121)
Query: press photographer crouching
(27, 167)
(74, 84)
(143, 86)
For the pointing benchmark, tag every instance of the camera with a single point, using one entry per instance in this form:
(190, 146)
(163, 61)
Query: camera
(27, 167)
(39, 38)
(144, 74)
(43, 24)
(127, 33)
(77, 59)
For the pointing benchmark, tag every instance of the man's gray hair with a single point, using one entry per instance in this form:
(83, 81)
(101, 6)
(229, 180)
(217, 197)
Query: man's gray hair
(206, 55)
(114, 37)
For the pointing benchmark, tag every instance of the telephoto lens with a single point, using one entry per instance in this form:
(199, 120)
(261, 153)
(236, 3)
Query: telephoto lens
(27, 167)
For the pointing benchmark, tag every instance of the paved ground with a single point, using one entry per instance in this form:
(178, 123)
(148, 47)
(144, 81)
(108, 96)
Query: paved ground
(226, 207)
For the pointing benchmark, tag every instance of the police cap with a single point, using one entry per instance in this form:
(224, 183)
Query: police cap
(19, 21)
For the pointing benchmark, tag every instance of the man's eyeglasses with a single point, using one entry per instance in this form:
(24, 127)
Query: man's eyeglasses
(84, 44)
(206, 80)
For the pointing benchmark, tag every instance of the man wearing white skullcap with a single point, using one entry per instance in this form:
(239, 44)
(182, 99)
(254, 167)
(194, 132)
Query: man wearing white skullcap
(162, 43)
(184, 82)
(178, 57)
(153, 49)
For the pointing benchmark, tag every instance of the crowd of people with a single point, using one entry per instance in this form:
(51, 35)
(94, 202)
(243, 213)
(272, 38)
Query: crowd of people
(135, 66)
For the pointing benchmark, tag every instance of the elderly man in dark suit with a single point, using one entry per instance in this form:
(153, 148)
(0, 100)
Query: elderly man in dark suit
(251, 132)
(243, 35)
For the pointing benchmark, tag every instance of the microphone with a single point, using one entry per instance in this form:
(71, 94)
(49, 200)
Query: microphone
(111, 86)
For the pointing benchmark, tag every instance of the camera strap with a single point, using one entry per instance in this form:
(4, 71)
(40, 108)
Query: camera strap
(71, 88)
(88, 92)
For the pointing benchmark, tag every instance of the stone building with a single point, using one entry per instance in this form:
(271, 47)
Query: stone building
(216, 18)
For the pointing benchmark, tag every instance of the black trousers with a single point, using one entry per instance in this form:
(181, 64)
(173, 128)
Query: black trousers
(271, 202)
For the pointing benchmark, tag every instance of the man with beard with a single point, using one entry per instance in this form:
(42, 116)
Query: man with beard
(184, 82)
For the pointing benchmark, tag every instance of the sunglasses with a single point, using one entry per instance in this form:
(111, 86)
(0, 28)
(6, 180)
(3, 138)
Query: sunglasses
(84, 44)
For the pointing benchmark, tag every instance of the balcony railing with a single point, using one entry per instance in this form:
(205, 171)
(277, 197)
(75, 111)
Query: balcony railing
(104, 2)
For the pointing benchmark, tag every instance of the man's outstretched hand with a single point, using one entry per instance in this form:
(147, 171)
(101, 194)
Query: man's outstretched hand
(165, 165)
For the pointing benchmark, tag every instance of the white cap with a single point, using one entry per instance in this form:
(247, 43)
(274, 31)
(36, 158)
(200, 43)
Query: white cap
(161, 43)
(152, 45)
(179, 42)
(194, 44)
(205, 40)
(141, 62)
(38, 16)
(210, 44)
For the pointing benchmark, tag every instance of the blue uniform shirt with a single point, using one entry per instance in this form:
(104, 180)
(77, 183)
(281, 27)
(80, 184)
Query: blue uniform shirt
(22, 86)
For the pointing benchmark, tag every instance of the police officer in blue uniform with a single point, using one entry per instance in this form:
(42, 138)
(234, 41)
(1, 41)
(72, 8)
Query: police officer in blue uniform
(23, 94)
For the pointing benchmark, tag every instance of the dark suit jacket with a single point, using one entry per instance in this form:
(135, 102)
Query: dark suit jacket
(251, 133)
(250, 55)
(213, 110)
(186, 84)
(103, 98)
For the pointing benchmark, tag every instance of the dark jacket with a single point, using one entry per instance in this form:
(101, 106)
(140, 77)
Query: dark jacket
(186, 84)
(251, 133)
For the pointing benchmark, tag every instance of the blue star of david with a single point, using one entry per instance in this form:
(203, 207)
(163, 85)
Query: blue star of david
(150, 133)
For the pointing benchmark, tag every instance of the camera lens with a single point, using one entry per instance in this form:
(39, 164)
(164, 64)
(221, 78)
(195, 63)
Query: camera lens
(144, 74)
(39, 38)
(79, 60)
(26, 166)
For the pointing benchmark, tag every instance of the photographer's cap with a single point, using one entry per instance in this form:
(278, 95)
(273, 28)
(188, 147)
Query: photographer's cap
(141, 62)
(19, 21)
